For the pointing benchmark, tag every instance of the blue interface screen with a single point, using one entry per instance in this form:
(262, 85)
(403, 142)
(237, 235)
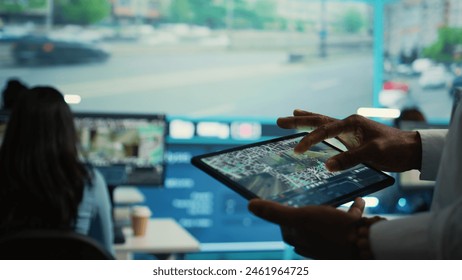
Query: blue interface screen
(209, 210)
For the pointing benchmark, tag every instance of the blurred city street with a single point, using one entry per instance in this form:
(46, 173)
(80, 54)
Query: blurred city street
(258, 84)
(216, 81)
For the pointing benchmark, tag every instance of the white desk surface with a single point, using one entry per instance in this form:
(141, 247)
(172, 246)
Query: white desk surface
(163, 236)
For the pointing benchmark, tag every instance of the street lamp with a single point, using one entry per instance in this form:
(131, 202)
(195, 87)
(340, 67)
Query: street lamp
(323, 30)
(49, 16)
(229, 14)
(229, 20)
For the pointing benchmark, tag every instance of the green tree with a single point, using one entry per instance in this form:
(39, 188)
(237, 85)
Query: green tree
(245, 14)
(265, 9)
(448, 46)
(265, 12)
(351, 21)
(181, 11)
(21, 6)
(205, 12)
(81, 11)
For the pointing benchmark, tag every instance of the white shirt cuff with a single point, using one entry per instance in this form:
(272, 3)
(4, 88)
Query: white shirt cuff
(432, 149)
(402, 238)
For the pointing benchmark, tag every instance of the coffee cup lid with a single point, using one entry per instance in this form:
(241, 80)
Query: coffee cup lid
(141, 211)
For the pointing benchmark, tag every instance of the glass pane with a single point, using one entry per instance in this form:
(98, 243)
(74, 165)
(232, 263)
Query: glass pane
(259, 58)
(197, 58)
(422, 43)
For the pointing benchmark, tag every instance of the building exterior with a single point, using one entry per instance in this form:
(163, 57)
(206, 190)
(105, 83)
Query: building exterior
(411, 25)
(311, 11)
(136, 10)
(130, 10)
(454, 13)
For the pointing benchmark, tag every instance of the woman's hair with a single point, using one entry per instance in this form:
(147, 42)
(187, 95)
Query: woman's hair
(41, 176)
(12, 92)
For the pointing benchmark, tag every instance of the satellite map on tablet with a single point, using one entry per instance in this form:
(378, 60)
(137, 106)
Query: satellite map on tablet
(271, 170)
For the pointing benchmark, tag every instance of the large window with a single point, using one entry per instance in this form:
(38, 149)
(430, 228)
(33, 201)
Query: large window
(422, 49)
(234, 57)
(198, 58)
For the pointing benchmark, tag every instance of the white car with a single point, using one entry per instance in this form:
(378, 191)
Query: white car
(421, 65)
(395, 98)
(404, 69)
(434, 77)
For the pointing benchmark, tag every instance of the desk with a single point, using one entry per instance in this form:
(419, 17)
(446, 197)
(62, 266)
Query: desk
(164, 238)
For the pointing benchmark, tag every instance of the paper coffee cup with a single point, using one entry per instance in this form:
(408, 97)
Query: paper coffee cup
(140, 217)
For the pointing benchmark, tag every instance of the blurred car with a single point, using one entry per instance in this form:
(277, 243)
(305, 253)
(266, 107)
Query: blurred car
(45, 50)
(421, 64)
(396, 85)
(6, 37)
(395, 98)
(434, 77)
(404, 69)
(395, 95)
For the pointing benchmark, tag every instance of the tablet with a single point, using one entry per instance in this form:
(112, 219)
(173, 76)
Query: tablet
(271, 170)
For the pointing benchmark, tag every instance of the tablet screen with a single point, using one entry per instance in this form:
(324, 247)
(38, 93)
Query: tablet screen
(272, 171)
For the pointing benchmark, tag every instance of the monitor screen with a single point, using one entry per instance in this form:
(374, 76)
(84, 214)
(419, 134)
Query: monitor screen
(128, 149)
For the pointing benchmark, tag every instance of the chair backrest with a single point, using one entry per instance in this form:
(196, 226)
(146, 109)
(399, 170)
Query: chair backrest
(51, 245)
(457, 99)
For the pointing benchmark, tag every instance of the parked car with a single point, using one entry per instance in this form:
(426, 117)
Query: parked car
(434, 77)
(404, 69)
(395, 95)
(395, 98)
(396, 85)
(33, 49)
(421, 64)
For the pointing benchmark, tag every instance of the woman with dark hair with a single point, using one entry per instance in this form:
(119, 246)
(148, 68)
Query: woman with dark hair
(11, 92)
(43, 183)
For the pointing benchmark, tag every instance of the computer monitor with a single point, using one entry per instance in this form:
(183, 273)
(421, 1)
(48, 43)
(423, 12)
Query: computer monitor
(128, 149)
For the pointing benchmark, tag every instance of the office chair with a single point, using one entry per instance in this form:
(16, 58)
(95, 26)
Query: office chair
(457, 98)
(51, 245)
